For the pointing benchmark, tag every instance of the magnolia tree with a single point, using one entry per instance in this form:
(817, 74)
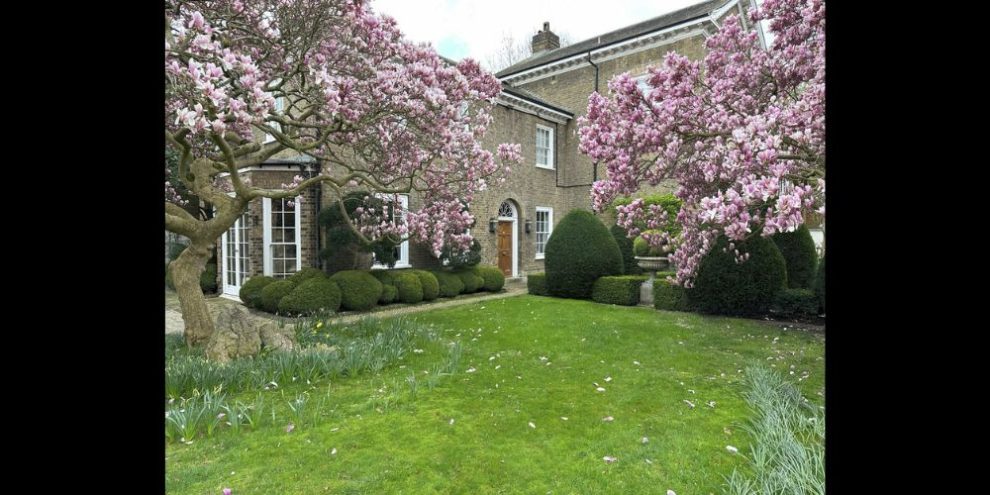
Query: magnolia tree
(376, 112)
(742, 133)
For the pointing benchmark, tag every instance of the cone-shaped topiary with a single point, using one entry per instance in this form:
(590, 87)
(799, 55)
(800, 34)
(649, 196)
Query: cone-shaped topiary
(629, 266)
(450, 284)
(723, 286)
(493, 277)
(409, 287)
(359, 291)
(820, 285)
(800, 256)
(580, 251)
(273, 293)
(306, 274)
(431, 288)
(317, 293)
(251, 290)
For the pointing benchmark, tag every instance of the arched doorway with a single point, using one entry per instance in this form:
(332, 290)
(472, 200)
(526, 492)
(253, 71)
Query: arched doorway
(508, 239)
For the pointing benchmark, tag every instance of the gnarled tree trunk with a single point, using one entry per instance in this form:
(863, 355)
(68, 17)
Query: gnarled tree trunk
(186, 271)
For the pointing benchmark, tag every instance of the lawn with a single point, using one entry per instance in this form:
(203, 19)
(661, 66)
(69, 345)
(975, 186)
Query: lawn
(523, 412)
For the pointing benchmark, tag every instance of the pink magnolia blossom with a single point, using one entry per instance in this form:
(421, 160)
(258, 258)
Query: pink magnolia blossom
(742, 133)
(381, 113)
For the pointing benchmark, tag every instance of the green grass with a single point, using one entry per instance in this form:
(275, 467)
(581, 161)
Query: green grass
(393, 433)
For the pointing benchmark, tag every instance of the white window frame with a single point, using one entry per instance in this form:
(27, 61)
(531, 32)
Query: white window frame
(279, 108)
(266, 212)
(403, 261)
(550, 151)
(536, 229)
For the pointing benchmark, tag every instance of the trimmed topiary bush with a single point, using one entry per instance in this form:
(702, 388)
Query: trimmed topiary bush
(723, 286)
(383, 276)
(409, 287)
(389, 294)
(629, 266)
(471, 279)
(431, 288)
(273, 293)
(667, 296)
(796, 303)
(450, 284)
(493, 278)
(251, 290)
(359, 290)
(800, 256)
(580, 251)
(536, 284)
(820, 285)
(306, 274)
(317, 293)
(622, 290)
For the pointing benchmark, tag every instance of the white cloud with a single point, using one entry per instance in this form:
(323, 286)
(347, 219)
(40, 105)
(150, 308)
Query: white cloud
(472, 28)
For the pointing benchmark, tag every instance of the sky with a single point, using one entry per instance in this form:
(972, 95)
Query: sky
(473, 28)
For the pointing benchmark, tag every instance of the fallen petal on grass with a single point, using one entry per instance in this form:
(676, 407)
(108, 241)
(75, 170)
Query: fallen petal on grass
(609, 459)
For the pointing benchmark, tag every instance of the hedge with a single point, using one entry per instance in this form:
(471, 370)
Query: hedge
(471, 279)
(629, 266)
(820, 285)
(622, 290)
(251, 290)
(310, 296)
(536, 284)
(723, 286)
(800, 256)
(409, 287)
(273, 293)
(383, 276)
(796, 303)
(668, 296)
(359, 289)
(450, 284)
(306, 274)
(493, 278)
(431, 287)
(580, 251)
(389, 294)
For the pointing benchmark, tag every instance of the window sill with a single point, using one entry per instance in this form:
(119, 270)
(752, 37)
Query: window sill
(546, 167)
(396, 267)
(540, 256)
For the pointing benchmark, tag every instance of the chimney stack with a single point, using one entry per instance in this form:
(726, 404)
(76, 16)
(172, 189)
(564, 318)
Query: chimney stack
(545, 40)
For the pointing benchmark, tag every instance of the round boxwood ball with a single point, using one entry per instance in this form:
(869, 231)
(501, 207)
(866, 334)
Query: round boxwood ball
(431, 287)
(359, 289)
(311, 296)
(273, 293)
(251, 290)
(450, 284)
(306, 274)
(493, 278)
(409, 286)
(389, 294)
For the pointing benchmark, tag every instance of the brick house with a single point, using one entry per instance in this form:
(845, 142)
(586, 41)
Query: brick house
(543, 95)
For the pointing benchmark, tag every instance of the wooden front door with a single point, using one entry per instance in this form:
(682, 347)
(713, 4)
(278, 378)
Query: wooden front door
(505, 247)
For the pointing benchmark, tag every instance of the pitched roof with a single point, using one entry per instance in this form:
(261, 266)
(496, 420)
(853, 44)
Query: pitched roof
(532, 97)
(657, 23)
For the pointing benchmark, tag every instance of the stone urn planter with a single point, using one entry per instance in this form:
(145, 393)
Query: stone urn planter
(650, 264)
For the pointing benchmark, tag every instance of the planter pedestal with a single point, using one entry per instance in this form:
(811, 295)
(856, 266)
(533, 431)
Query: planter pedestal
(651, 265)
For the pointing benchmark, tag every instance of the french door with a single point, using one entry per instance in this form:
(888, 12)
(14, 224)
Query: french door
(234, 246)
